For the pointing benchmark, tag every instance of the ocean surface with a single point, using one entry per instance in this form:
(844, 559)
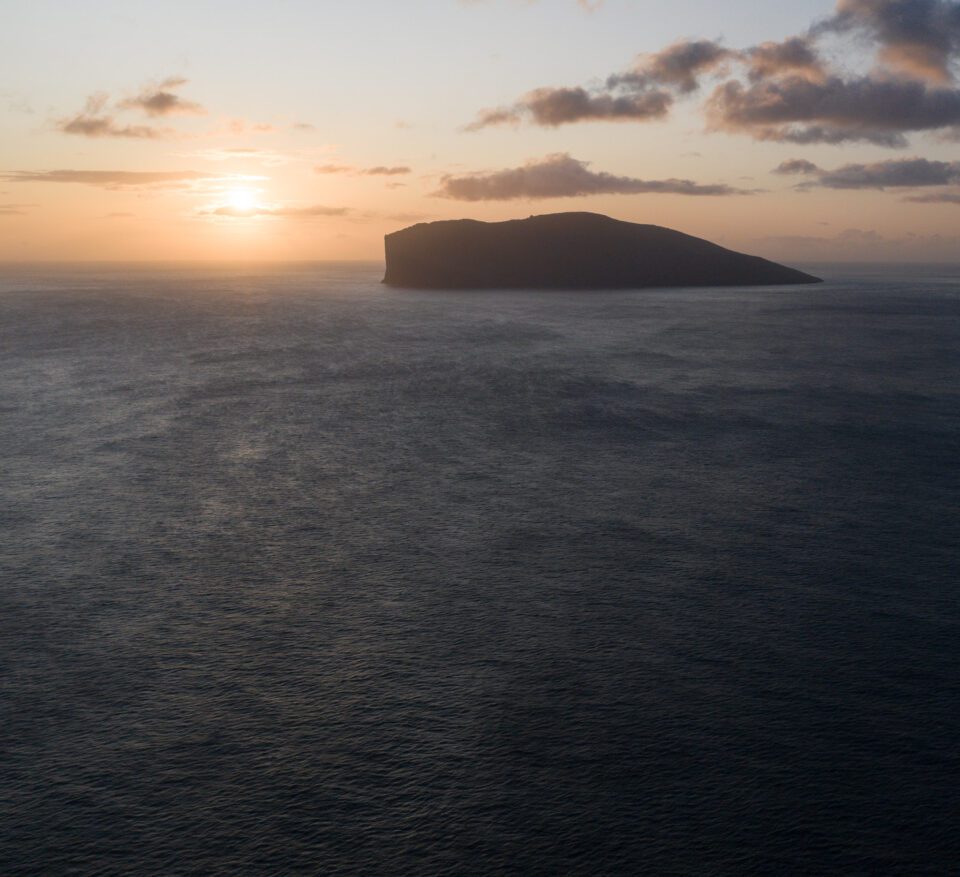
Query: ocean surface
(304, 575)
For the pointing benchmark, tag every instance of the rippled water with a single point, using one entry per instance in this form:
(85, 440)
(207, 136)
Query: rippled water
(306, 575)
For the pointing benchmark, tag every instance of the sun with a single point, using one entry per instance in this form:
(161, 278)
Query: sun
(242, 199)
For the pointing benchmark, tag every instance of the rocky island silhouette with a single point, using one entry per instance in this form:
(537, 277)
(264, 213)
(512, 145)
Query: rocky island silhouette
(568, 251)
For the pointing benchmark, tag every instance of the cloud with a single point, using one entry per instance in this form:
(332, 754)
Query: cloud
(313, 211)
(552, 107)
(936, 198)
(644, 93)
(303, 126)
(785, 91)
(379, 171)
(13, 209)
(382, 171)
(240, 127)
(678, 66)
(161, 100)
(796, 166)
(121, 179)
(915, 37)
(796, 56)
(905, 173)
(94, 121)
(836, 110)
(560, 176)
(104, 126)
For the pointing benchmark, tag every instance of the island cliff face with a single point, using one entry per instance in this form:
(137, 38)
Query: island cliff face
(568, 251)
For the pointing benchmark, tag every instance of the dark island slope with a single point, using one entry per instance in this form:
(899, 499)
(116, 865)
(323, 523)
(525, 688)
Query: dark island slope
(568, 251)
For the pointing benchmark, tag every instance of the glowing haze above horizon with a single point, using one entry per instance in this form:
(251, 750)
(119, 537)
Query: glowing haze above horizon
(307, 129)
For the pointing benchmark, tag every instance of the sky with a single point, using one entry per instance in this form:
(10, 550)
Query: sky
(308, 129)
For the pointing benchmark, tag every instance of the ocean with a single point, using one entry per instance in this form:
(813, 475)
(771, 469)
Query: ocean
(306, 575)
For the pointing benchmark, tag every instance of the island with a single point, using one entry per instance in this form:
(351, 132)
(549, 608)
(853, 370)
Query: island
(568, 251)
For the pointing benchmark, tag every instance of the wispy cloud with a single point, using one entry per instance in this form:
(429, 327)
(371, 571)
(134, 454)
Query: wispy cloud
(936, 198)
(561, 176)
(266, 157)
(308, 212)
(381, 171)
(114, 179)
(239, 127)
(378, 171)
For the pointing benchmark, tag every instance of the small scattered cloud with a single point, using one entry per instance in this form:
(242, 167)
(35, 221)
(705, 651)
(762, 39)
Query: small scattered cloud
(381, 171)
(162, 100)
(303, 126)
(561, 176)
(14, 209)
(796, 166)
(96, 122)
(378, 171)
(243, 127)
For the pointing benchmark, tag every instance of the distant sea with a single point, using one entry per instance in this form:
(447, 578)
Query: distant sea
(305, 575)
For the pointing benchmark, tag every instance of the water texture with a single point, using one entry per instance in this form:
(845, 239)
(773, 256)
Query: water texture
(301, 574)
